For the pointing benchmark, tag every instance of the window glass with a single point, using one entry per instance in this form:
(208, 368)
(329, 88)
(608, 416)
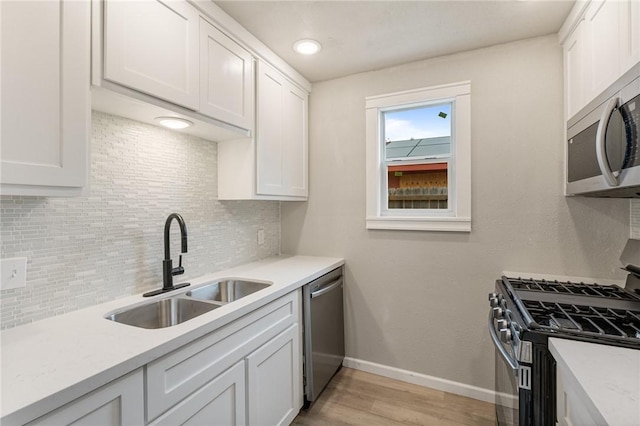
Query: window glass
(419, 186)
(420, 132)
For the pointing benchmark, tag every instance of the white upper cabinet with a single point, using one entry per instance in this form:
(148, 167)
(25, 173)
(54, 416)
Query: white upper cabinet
(630, 32)
(574, 70)
(601, 41)
(602, 51)
(46, 105)
(281, 135)
(226, 78)
(152, 47)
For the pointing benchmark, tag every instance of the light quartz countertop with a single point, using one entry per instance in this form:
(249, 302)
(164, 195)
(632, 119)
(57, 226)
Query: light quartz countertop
(50, 362)
(608, 376)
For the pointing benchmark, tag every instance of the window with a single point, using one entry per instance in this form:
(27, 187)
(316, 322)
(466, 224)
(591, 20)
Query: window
(419, 159)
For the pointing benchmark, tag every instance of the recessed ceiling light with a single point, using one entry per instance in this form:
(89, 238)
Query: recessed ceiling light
(307, 47)
(174, 122)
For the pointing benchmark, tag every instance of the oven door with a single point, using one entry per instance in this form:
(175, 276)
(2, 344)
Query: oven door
(506, 385)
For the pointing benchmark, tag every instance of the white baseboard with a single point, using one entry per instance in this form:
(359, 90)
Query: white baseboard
(420, 379)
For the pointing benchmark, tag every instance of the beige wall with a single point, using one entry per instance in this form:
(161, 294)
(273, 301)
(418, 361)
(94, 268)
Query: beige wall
(418, 300)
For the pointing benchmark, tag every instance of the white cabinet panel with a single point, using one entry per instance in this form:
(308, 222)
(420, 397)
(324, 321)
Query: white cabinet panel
(574, 68)
(603, 51)
(226, 78)
(294, 155)
(118, 403)
(281, 135)
(630, 34)
(46, 105)
(152, 46)
(221, 402)
(269, 134)
(274, 380)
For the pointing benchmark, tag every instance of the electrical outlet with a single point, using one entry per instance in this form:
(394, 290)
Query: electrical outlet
(260, 237)
(13, 272)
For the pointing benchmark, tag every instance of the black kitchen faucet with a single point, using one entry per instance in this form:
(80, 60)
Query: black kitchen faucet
(168, 271)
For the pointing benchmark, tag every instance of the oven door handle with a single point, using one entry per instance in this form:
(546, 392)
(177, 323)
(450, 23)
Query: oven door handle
(512, 363)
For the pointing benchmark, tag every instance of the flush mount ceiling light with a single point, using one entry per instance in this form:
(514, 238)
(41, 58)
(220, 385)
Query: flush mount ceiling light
(174, 122)
(307, 47)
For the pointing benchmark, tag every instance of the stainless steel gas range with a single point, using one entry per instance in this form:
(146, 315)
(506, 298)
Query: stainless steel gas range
(524, 313)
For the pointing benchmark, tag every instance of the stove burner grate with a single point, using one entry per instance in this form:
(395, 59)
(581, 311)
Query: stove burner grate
(585, 320)
(567, 287)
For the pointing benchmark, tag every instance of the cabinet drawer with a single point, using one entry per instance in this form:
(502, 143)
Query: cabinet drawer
(222, 401)
(117, 403)
(175, 376)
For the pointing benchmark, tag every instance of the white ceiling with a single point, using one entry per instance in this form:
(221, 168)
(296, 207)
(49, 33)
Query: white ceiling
(365, 35)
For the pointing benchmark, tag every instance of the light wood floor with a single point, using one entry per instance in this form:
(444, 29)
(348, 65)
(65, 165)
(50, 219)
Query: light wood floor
(357, 398)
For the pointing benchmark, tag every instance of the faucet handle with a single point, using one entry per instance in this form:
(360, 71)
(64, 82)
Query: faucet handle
(179, 270)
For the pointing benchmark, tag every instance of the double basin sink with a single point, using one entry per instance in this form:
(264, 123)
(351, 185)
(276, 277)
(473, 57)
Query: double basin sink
(186, 305)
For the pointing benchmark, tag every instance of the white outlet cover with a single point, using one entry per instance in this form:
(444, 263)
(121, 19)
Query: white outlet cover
(13, 273)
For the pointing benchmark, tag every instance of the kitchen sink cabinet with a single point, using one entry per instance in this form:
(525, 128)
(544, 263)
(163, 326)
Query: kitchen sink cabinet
(220, 402)
(152, 47)
(274, 388)
(46, 116)
(209, 372)
(273, 165)
(601, 41)
(120, 402)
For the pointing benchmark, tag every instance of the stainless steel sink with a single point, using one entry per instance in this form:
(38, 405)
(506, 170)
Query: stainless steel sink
(227, 290)
(162, 313)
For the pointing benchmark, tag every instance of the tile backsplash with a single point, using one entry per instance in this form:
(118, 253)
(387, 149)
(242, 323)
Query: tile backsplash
(87, 250)
(635, 219)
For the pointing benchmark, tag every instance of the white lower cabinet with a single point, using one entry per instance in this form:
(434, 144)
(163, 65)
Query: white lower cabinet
(120, 402)
(221, 402)
(573, 407)
(274, 392)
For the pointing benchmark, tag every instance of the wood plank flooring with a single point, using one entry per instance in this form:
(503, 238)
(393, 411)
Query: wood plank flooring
(356, 398)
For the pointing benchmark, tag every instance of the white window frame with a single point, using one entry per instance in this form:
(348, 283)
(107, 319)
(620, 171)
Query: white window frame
(457, 217)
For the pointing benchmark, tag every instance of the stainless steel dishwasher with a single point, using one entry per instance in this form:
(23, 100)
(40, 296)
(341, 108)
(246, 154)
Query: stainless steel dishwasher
(323, 332)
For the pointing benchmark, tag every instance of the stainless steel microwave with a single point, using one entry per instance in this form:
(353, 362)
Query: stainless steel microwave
(603, 143)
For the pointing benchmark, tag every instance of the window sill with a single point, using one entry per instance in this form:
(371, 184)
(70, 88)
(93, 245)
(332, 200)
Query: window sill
(441, 224)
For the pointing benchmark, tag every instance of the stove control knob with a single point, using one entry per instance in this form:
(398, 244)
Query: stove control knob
(505, 335)
(500, 299)
(503, 323)
(492, 295)
(493, 302)
(498, 312)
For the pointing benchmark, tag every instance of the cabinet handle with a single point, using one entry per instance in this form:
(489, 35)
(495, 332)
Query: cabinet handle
(601, 147)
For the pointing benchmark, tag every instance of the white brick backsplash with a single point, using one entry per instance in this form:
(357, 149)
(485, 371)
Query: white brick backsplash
(635, 219)
(84, 251)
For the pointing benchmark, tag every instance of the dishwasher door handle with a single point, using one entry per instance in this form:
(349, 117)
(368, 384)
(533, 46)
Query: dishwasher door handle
(327, 289)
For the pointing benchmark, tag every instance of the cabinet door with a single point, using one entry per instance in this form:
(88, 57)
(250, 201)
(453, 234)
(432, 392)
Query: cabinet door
(46, 114)
(603, 29)
(630, 34)
(574, 64)
(294, 141)
(118, 403)
(152, 46)
(219, 402)
(226, 78)
(274, 380)
(281, 135)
